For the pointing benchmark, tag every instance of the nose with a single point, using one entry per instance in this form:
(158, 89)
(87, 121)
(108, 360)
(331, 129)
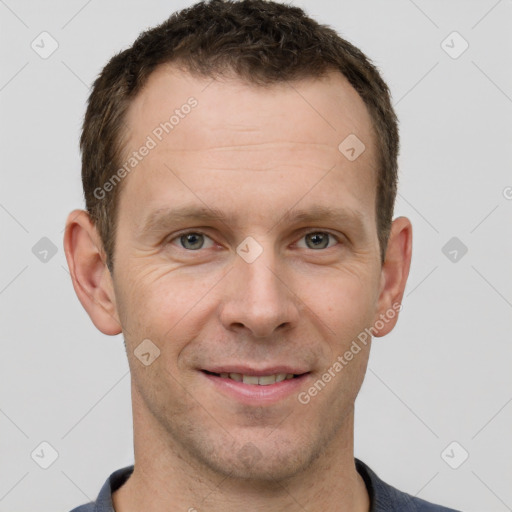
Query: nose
(259, 297)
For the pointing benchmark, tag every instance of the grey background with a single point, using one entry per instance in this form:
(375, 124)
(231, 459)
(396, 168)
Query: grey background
(442, 375)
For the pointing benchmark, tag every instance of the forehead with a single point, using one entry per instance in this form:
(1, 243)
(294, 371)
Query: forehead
(231, 107)
(205, 125)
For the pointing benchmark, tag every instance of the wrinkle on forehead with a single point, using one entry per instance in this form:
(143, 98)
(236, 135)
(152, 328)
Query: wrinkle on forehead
(314, 111)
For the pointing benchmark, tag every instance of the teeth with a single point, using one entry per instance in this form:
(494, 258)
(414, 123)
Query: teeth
(250, 379)
(264, 380)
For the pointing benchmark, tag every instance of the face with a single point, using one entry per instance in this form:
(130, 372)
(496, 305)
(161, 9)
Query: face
(247, 253)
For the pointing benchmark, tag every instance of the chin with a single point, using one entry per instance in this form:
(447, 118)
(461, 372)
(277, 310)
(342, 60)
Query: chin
(278, 470)
(260, 460)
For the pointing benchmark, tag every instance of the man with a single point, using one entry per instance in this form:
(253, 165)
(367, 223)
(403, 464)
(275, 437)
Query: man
(239, 170)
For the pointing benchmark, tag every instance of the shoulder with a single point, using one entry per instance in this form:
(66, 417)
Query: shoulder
(89, 507)
(103, 502)
(385, 498)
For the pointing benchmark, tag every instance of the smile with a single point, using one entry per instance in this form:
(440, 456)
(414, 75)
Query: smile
(257, 387)
(255, 380)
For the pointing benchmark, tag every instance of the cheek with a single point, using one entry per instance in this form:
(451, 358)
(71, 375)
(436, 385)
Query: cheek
(163, 305)
(345, 303)
(346, 306)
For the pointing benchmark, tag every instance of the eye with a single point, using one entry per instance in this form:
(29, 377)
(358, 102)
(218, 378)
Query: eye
(192, 240)
(195, 240)
(319, 240)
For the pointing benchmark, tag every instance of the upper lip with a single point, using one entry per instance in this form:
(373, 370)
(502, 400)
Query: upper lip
(251, 370)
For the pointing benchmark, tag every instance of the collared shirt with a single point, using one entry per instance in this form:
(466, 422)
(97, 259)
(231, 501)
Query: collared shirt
(383, 497)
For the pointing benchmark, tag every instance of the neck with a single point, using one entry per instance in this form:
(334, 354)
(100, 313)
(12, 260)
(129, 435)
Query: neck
(166, 477)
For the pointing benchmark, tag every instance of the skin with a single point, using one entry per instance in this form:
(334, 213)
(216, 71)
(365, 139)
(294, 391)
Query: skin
(255, 154)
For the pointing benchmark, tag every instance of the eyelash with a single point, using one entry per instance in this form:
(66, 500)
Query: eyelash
(198, 232)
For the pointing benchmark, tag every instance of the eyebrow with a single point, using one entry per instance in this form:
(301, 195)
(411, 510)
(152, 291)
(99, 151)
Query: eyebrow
(162, 218)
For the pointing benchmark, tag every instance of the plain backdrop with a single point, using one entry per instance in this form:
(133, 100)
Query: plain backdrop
(438, 388)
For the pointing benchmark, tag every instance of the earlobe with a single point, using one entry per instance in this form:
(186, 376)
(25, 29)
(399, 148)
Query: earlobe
(89, 273)
(394, 274)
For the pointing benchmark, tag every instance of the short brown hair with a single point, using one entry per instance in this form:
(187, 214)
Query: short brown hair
(263, 42)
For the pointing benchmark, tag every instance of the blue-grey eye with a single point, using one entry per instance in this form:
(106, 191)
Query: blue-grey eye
(318, 239)
(192, 241)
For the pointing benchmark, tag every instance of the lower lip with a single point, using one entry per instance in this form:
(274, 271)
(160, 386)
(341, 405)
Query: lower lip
(254, 394)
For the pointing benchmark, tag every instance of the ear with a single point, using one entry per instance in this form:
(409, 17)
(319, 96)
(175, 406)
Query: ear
(90, 275)
(394, 273)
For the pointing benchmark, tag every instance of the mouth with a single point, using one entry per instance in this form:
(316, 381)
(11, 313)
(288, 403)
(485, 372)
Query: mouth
(255, 380)
(257, 387)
